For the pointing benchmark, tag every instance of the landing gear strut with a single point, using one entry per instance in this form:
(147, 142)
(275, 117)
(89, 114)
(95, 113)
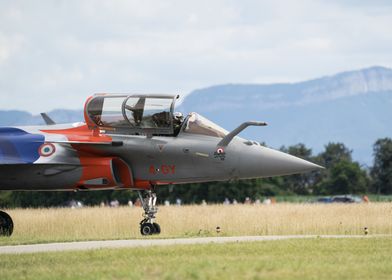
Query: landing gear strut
(147, 225)
(6, 224)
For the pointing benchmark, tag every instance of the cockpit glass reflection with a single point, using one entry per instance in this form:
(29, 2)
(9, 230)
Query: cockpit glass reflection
(200, 125)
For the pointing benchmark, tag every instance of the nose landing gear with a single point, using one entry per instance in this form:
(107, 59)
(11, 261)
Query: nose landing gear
(6, 224)
(147, 225)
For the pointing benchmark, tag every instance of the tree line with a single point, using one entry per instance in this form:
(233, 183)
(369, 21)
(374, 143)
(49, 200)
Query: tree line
(342, 175)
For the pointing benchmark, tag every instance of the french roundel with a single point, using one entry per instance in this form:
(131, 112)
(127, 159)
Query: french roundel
(220, 151)
(46, 150)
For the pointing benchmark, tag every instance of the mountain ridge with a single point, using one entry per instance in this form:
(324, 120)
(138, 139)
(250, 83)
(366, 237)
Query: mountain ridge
(347, 83)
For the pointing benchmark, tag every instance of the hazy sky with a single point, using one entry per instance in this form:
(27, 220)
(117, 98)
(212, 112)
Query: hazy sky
(54, 54)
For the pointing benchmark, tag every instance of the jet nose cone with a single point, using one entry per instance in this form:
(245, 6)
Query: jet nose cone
(288, 164)
(265, 162)
(279, 163)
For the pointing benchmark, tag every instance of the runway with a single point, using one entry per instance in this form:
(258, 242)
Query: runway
(111, 244)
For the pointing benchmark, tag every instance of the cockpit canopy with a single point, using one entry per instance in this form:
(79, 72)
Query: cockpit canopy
(147, 114)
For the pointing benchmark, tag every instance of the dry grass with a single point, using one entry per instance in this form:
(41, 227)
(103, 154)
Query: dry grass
(47, 225)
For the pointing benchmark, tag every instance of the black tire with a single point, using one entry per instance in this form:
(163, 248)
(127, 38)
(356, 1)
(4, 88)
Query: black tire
(147, 229)
(157, 228)
(6, 224)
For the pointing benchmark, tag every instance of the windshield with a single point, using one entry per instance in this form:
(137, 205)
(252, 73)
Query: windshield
(200, 125)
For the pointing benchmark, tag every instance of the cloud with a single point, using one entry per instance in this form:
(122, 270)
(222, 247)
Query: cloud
(56, 54)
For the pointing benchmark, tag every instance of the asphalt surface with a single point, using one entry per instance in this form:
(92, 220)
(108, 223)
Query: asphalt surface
(94, 245)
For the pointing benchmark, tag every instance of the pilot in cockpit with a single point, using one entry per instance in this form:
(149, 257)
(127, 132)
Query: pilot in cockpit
(178, 119)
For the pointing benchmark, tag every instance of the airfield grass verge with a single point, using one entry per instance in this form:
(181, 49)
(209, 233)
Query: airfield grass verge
(65, 224)
(363, 258)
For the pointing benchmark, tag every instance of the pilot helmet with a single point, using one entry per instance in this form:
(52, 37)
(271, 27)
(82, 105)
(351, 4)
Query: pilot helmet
(178, 115)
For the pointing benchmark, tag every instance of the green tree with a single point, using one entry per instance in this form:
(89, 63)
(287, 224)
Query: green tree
(345, 178)
(342, 175)
(381, 172)
(217, 191)
(52, 198)
(333, 154)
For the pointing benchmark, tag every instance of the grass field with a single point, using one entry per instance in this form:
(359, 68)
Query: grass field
(365, 258)
(64, 224)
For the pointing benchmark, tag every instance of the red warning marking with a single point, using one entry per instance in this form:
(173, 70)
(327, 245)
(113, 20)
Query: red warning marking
(152, 170)
(164, 169)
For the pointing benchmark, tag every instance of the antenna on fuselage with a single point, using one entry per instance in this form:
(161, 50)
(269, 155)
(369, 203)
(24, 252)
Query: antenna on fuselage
(47, 119)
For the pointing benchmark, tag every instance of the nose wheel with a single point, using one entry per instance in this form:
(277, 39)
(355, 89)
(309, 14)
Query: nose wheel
(147, 228)
(147, 225)
(6, 224)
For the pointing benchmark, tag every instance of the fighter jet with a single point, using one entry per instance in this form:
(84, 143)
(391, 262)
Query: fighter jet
(133, 142)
